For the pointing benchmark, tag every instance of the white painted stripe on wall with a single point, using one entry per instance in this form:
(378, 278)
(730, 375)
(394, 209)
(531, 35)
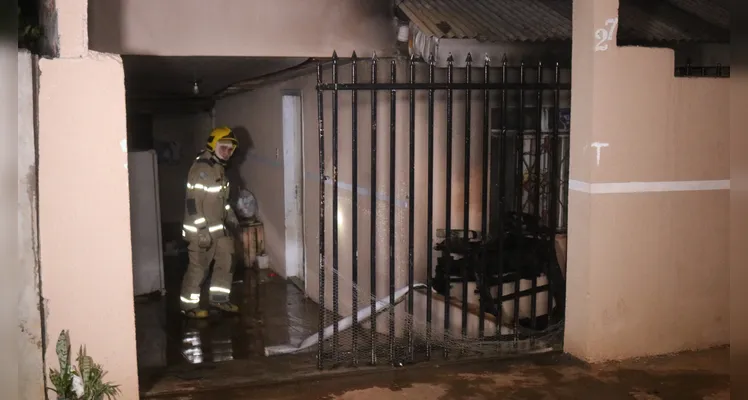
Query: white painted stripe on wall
(647, 187)
(364, 191)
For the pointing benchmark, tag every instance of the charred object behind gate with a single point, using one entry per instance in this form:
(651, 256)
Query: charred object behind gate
(524, 251)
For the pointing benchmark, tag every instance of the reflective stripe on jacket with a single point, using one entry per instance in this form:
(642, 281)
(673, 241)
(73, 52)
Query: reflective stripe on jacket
(206, 201)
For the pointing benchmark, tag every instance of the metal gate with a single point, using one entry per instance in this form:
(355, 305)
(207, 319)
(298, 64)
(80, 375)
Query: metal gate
(487, 282)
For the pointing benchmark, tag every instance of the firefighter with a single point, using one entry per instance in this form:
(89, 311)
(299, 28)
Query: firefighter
(207, 222)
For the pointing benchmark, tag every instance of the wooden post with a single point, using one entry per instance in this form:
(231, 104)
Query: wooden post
(253, 241)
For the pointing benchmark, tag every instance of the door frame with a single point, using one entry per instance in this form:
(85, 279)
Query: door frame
(293, 185)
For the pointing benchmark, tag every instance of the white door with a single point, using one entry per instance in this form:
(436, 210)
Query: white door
(145, 223)
(293, 185)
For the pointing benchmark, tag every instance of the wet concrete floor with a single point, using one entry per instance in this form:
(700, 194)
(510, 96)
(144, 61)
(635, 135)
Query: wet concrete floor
(273, 312)
(224, 358)
(697, 375)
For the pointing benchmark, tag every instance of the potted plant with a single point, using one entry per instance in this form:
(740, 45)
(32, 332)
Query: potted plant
(79, 382)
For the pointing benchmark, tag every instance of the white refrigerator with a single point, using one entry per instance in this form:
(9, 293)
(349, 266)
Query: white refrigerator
(145, 223)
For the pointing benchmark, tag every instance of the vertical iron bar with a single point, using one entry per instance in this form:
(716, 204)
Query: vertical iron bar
(430, 209)
(536, 186)
(335, 310)
(411, 202)
(466, 198)
(448, 208)
(321, 271)
(484, 196)
(373, 222)
(354, 206)
(553, 198)
(393, 138)
(502, 155)
(519, 187)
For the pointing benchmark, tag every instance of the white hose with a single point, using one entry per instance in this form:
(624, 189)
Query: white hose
(343, 324)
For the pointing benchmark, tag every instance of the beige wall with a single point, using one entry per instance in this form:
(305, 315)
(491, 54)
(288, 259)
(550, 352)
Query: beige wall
(647, 271)
(30, 366)
(12, 377)
(738, 208)
(256, 120)
(256, 28)
(84, 212)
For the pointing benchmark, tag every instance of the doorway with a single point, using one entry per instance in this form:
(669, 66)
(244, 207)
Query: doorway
(169, 122)
(293, 187)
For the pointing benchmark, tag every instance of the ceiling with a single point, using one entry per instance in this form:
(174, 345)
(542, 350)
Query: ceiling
(153, 78)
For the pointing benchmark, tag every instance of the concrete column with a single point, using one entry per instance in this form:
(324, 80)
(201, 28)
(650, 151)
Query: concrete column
(648, 199)
(13, 345)
(84, 214)
(30, 366)
(72, 28)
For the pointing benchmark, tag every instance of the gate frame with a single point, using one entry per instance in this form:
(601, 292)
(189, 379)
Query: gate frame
(545, 234)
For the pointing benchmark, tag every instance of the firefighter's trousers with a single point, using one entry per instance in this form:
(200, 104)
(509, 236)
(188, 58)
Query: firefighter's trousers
(222, 251)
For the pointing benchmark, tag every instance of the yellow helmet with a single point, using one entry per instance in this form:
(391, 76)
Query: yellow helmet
(218, 134)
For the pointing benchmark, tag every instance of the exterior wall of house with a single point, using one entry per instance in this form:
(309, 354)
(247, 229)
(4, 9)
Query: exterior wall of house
(647, 262)
(254, 28)
(15, 283)
(84, 211)
(30, 366)
(738, 211)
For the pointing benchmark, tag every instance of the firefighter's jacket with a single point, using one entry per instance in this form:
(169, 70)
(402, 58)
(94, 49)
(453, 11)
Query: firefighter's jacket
(207, 201)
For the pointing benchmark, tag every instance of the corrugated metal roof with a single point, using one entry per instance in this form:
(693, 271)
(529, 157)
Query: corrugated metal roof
(489, 20)
(550, 20)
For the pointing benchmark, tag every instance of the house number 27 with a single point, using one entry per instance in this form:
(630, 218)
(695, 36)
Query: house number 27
(605, 34)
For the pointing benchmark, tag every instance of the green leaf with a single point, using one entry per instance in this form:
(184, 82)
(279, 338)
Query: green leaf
(89, 371)
(63, 350)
